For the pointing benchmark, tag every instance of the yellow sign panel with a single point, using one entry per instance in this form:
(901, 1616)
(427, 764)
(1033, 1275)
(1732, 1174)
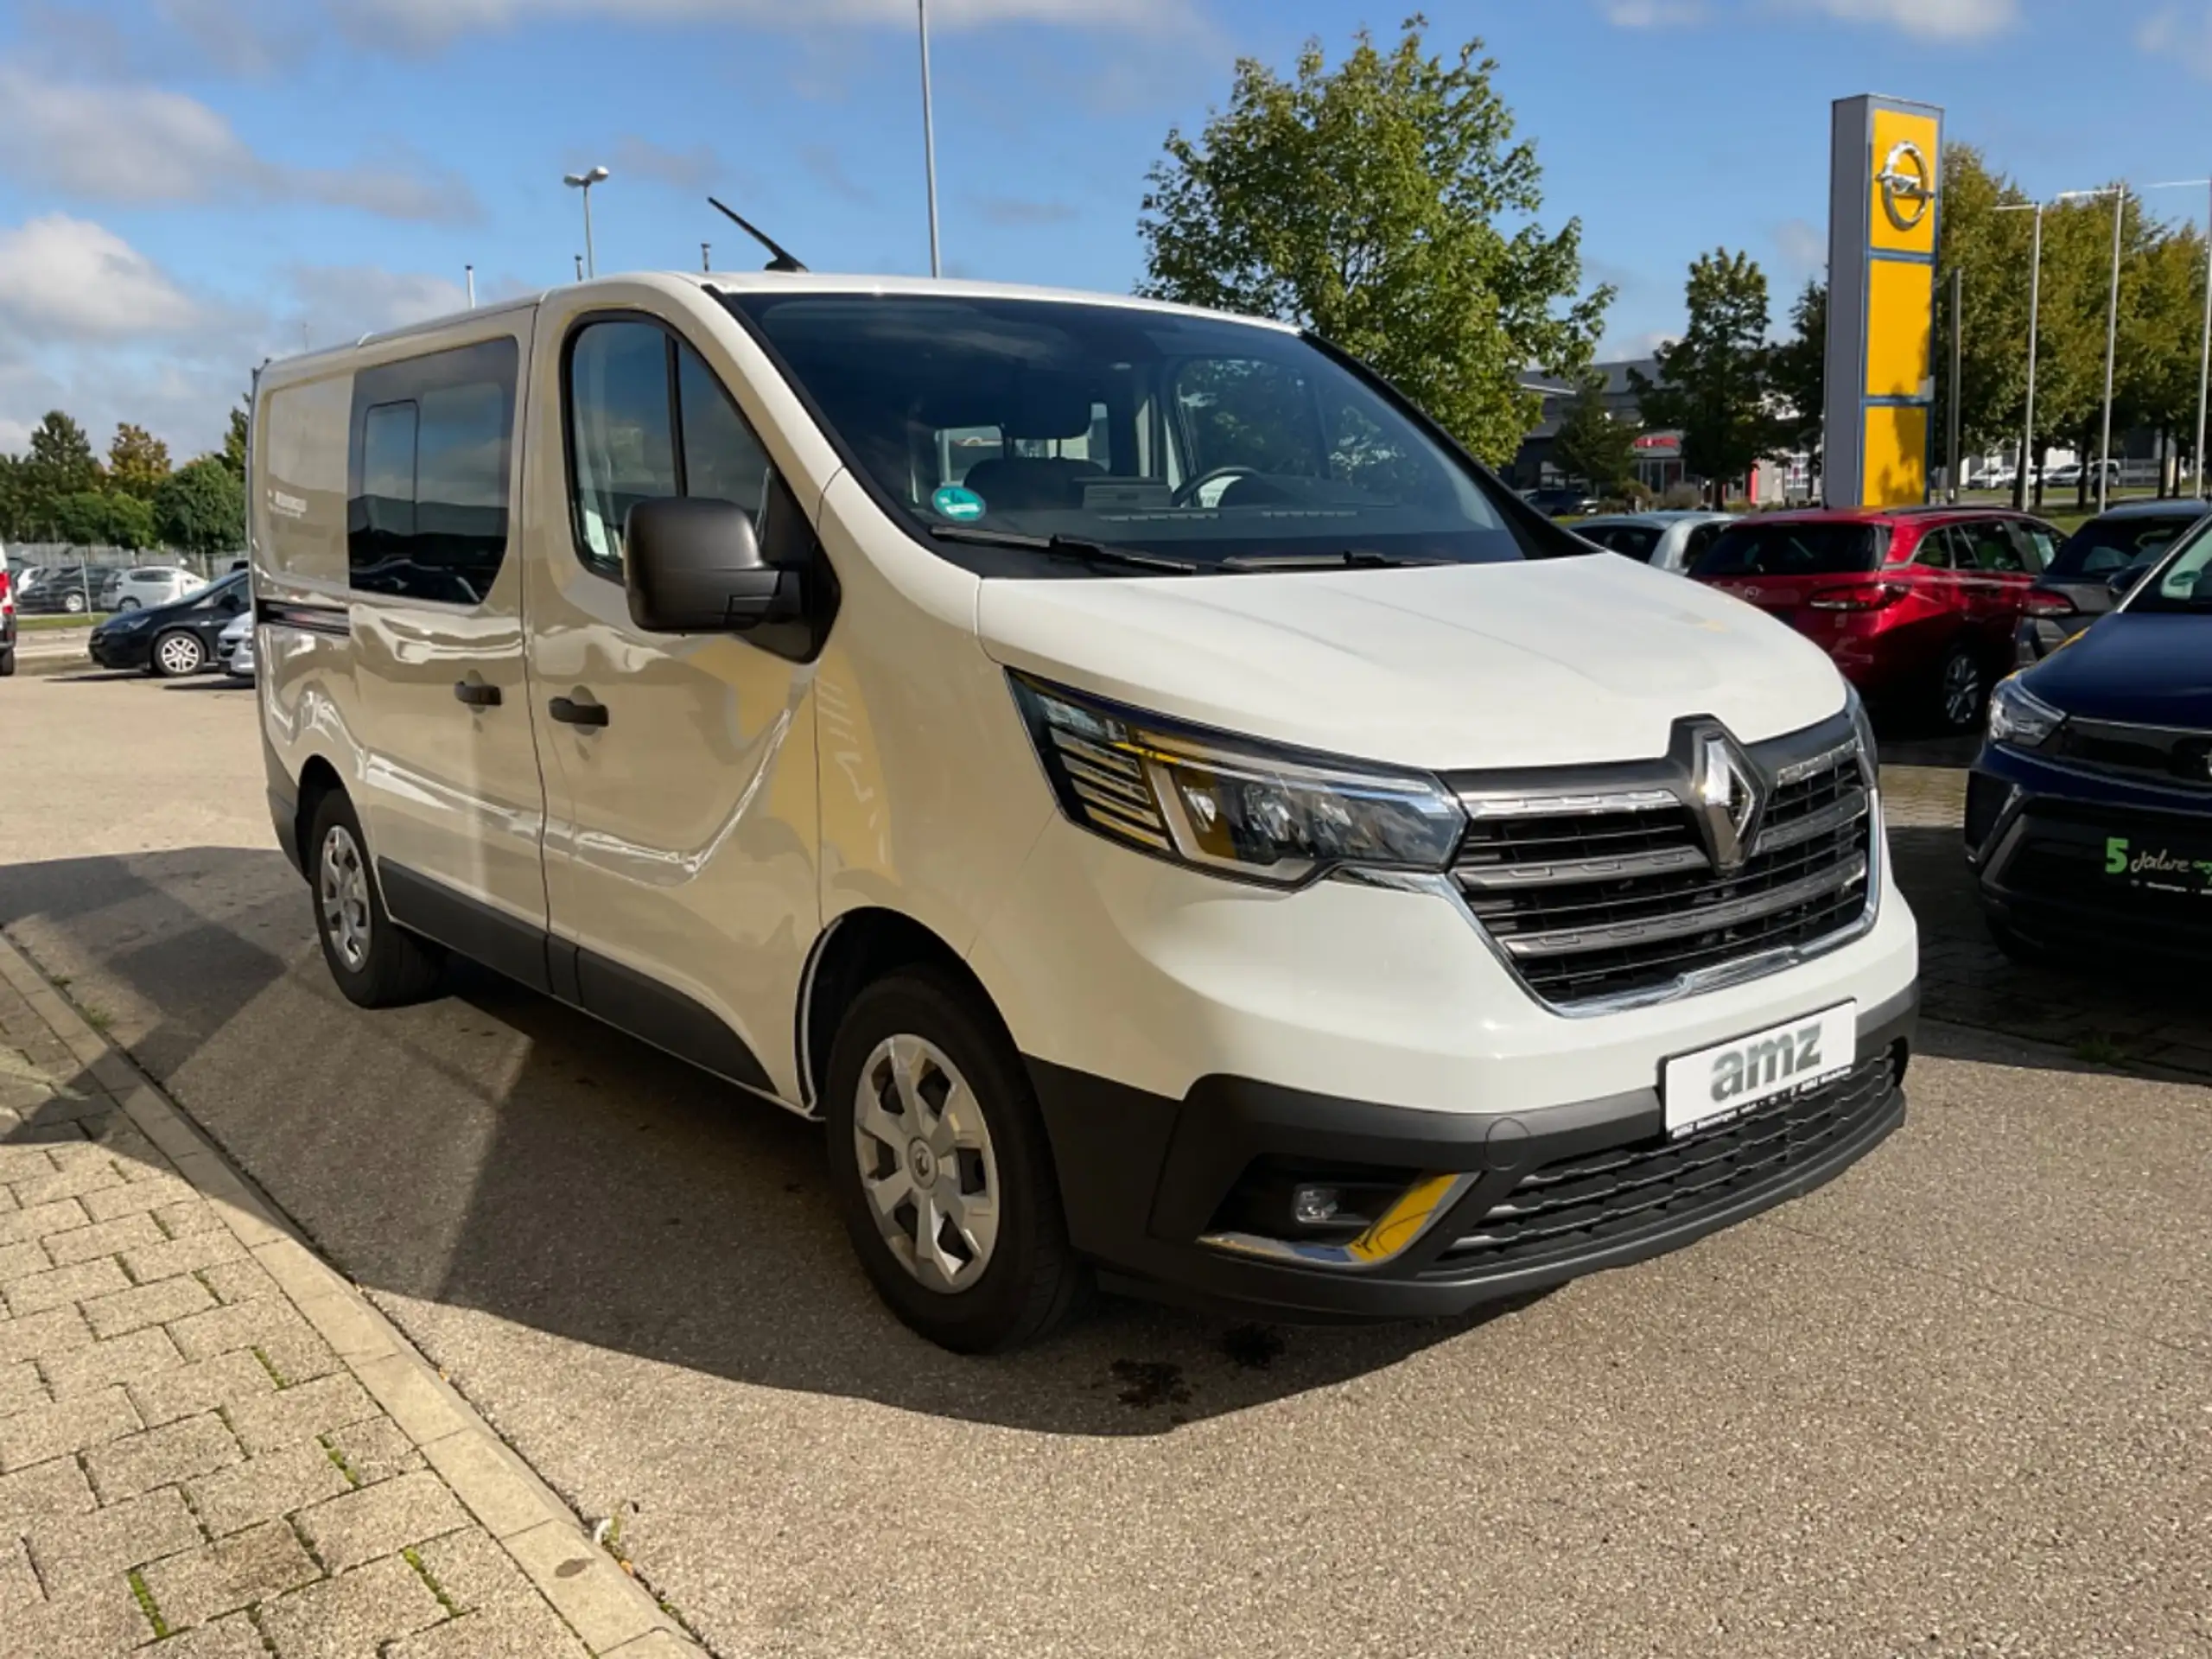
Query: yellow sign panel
(1902, 216)
(1896, 456)
(1900, 328)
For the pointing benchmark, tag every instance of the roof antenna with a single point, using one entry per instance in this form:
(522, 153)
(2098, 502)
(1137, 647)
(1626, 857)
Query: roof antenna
(782, 261)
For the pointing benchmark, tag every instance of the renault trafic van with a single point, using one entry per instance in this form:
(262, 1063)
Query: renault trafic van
(1177, 820)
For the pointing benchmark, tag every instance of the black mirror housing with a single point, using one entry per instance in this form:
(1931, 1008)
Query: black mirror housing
(2121, 583)
(693, 565)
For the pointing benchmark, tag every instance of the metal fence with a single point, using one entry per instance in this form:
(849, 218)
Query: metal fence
(56, 578)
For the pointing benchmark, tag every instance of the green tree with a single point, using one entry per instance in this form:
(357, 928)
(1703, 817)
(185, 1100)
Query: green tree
(234, 439)
(131, 521)
(137, 462)
(1797, 370)
(1367, 202)
(59, 462)
(1592, 445)
(1716, 382)
(80, 519)
(201, 508)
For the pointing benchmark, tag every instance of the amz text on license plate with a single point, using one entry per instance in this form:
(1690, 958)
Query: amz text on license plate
(1745, 1071)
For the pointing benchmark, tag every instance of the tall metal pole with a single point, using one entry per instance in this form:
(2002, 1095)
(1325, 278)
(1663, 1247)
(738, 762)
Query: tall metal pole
(929, 137)
(2112, 348)
(1951, 472)
(471, 270)
(2204, 361)
(591, 261)
(2035, 320)
(706, 256)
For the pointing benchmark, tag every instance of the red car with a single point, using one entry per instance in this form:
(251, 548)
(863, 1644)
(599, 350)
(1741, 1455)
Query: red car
(1917, 604)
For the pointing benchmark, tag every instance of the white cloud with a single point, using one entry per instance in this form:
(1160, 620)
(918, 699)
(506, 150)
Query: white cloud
(2181, 35)
(1802, 246)
(335, 302)
(71, 279)
(700, 168)
(1935, 20)
(1653, 14)
(141, 144)
(423, 25)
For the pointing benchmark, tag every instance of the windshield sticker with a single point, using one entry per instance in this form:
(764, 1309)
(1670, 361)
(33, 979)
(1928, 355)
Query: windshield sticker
(958, 503)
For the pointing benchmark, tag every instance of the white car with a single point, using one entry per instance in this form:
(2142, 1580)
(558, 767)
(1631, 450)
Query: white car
(1219, 840)
(1665, 541)
(234, 646)
(153, 584)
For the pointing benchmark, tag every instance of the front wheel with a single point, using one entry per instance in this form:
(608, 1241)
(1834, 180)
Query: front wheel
(8, 663)
(1961, 688)
(377, 963)
(74, 603)
(942, 1170)
(178, 654)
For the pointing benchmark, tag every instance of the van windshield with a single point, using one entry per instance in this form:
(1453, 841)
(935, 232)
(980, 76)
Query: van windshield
(1204, 440)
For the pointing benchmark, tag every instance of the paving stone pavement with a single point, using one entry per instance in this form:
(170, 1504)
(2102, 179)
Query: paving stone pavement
(209, 1440)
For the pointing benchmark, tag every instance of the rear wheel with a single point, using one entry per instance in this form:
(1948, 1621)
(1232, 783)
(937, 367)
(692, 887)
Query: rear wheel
(942, 1169)
(177, 653)
(1961, 688)
(7, 662)
(73, 603)
(377, 963)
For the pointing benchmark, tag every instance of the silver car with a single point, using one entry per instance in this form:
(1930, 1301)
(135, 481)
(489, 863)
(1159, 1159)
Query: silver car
(1666, 541)
(234, 646)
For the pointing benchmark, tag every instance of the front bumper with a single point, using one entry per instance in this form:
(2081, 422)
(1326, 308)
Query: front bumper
(2039, 834)
(1518, 1202)
(128, 651)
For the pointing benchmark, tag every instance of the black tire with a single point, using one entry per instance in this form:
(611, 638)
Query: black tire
(1032, 1279)
(74, 604)
(1961, 690)
(176, 654)
(382, 965)
(8, 663)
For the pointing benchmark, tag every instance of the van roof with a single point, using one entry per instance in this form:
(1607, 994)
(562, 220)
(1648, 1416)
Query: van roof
(808, 281)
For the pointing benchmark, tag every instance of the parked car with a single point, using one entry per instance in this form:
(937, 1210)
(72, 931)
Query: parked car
(1561, 502)
(234, 646)
(54, 590)
(1665, 541)
(7, 619)
(2088, 817)
(2078, 587)
(2068, 476)
(1917, 606)
(906, 800)
(152, 585)
(174, 640)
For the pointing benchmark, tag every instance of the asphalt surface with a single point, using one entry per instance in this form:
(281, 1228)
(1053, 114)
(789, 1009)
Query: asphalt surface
(1959, 1401)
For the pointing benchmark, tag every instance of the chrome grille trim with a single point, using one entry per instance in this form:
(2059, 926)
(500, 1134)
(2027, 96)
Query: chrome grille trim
(1826, 821)
(1569, 942)
(1505, 879)
(1479, 805)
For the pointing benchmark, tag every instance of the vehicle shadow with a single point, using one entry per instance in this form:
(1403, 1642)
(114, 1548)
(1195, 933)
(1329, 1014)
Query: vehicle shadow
(208, 682)
(497, 1151)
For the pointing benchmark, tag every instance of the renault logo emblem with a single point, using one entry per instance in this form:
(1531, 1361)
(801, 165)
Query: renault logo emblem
(1907, 185)
(1725, 799)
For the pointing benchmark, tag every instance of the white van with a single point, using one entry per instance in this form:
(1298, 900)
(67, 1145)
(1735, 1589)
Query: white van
(1177, 819)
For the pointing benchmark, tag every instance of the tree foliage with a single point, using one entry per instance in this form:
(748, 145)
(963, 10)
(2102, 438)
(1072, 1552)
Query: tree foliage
(201, 508)
(1365, 201)
(1715, 383)
(1592, 445)
(137, 462)
(1797, 370)
(234, 440)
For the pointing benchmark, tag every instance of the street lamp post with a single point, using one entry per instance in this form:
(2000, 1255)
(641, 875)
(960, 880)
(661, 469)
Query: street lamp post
(584, 181)
(2112, 348)
(2034, 315)
(928, 136)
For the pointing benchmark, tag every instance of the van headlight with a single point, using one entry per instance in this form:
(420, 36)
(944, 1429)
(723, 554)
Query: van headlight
(2018, 719)
(1232, 805)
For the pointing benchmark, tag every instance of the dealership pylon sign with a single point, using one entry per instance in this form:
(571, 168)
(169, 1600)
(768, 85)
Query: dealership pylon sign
(1885, 203)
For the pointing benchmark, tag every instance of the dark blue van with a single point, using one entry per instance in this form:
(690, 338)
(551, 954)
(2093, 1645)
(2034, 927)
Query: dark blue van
(2089, 809)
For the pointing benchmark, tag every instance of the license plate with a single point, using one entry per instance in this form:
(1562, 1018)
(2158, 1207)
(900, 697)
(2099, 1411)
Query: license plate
(1782, 1060)
(2156, 864)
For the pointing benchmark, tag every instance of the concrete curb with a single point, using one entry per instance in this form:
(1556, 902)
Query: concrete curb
(612, 1612)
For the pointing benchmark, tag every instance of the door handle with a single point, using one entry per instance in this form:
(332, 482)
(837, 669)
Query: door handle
(476, 694)
(571, 711)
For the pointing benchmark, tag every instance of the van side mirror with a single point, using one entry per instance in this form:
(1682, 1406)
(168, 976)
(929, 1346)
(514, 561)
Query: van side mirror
(693, 565)
(2121, 583)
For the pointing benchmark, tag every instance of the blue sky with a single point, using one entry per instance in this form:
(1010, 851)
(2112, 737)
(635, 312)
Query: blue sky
(189, 185)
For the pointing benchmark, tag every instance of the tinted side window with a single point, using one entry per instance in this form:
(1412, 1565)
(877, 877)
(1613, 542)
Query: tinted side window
(1800, 548)
(1701, 538)
(432, 438)
(1934, 552)
(1987, 546)
(647, 421)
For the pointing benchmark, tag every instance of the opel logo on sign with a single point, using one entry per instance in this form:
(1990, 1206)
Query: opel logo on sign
(1725, 797)
(1907, 185)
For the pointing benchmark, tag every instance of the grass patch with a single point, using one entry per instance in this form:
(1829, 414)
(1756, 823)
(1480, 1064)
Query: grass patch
(269, 1366)
(97, 1018)
(338, 1458)
(51, 624)
(415, 1560)
(2099, 1050)
(146, 1605)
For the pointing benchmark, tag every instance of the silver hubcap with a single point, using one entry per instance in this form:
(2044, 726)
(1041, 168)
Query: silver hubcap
(344, 889)
(926, 1163)
(1961, 690)
(179, 655)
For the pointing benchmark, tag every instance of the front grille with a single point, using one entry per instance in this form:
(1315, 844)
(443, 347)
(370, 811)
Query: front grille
(1604, 894)
(2151, 753)
(1598, 1198)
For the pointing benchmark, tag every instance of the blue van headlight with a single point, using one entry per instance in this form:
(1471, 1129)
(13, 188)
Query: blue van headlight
(1234, 805)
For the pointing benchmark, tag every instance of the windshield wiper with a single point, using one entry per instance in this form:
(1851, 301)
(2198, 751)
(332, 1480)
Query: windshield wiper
(1069, 547)
(1352, 558)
